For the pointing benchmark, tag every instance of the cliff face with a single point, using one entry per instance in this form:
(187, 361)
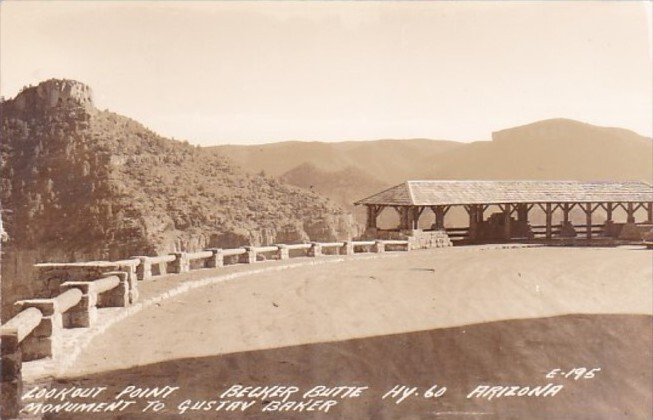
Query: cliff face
(81, 183)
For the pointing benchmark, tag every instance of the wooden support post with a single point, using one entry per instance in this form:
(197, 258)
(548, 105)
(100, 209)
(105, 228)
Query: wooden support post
(480, 209)
(631, 214)
(588, 220)
(649, 213)
(439, 217)
(608, 226)
(416, 213)
(405, 219)
(566, 227)
(473, 222)
(565, 213)
(371, 216)
(549, 217)
(506, 220)
(522, 212)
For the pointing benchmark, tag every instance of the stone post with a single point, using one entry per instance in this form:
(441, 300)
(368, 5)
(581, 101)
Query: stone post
(11, 379)
(283, 252)
(144, 269)
(217, 259)
(119, 295)
(162, 267)
(84, 313)
(347, 248)
(315, 250)
(40, 342)
(132, 279)
(249, 257)
(181, 263)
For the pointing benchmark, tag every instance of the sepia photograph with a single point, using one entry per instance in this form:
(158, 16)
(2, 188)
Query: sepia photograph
(393, 210)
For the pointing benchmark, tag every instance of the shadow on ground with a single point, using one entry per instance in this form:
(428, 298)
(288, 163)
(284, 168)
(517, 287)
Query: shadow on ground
(516, 352)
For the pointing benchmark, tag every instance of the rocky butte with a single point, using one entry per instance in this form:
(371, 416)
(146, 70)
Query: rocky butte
(82, 184)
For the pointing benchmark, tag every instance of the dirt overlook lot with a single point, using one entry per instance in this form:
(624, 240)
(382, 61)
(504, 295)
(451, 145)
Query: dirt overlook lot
(458, 317)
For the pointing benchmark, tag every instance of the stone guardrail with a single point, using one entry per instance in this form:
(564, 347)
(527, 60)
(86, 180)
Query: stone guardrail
(150, 266)
(82, 288)
(34, 332)
(182, 262)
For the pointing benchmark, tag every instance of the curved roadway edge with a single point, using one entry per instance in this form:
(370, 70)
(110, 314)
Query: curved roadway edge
(73, 341)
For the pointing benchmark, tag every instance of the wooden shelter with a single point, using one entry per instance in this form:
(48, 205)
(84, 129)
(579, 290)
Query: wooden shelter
(514, 199)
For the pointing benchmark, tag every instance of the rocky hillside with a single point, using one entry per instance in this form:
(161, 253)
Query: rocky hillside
(343, 186)
(81, 183)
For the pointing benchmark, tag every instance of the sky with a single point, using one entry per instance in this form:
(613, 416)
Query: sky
(255, 72)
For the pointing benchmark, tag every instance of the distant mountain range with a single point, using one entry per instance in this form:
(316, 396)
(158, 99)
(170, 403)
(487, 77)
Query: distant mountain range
(549, 149)
(371, 157)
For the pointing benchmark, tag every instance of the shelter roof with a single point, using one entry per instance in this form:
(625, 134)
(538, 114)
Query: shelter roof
(445, 192)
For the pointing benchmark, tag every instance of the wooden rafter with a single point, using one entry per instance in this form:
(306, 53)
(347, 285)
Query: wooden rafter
(638, 206)
(622, 205)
